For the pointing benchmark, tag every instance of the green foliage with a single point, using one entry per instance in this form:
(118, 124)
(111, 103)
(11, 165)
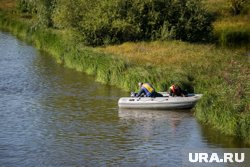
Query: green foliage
(99, 22)
(26, 6)
(42, 8)
(192, 22)
(69, 13)
(236, 6)
(45, 9)
(108, 22)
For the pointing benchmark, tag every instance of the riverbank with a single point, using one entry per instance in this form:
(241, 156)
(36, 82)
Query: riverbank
(222, 75)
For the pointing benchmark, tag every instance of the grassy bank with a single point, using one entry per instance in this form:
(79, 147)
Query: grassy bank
(229, 30)
(221, 74)
(105, 67)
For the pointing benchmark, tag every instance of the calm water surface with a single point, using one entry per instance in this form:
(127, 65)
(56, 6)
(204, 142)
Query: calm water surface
(54, 116)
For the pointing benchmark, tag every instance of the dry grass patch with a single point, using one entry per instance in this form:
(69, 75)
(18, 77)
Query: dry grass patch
(159, 53)
(233, 22)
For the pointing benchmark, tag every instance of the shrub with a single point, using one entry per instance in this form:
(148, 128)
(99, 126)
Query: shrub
(69, 13)
(101, 22)
(236, 6)
(45, 9)
(26, 6)
(192, 23)
(109, 22)
(118, 21)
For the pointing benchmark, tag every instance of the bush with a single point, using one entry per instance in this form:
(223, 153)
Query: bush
(69, 13)
(109, 22)
(42, 8)
(101, 22)
(119, 21)
(26, 6)
(45, 9)
(236, 6)
(191, 23)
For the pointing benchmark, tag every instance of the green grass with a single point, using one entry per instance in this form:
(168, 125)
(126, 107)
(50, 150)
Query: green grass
(234, 31)
(230, 30)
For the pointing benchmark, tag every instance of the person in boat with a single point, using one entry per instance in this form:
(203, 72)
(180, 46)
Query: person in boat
(175, 90)
(146, 89)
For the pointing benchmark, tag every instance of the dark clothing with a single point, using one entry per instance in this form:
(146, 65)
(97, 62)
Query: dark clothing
(156, 94)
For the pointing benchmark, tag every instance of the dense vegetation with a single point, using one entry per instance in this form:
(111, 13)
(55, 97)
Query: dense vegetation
(100, 22)
(221, 74)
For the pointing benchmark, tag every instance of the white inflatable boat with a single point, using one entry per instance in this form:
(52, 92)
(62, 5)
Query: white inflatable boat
(159, 103)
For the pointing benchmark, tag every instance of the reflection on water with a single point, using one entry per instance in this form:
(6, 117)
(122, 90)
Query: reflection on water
(171, 118)
(175, 116)
(220, 140)
(54, 116)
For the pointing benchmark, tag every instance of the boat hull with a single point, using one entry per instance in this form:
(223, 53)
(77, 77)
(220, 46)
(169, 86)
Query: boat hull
(159, 103)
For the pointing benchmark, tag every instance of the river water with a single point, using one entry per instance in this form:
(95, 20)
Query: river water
(54, 116)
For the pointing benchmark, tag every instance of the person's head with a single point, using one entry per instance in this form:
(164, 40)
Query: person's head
(140, 84)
